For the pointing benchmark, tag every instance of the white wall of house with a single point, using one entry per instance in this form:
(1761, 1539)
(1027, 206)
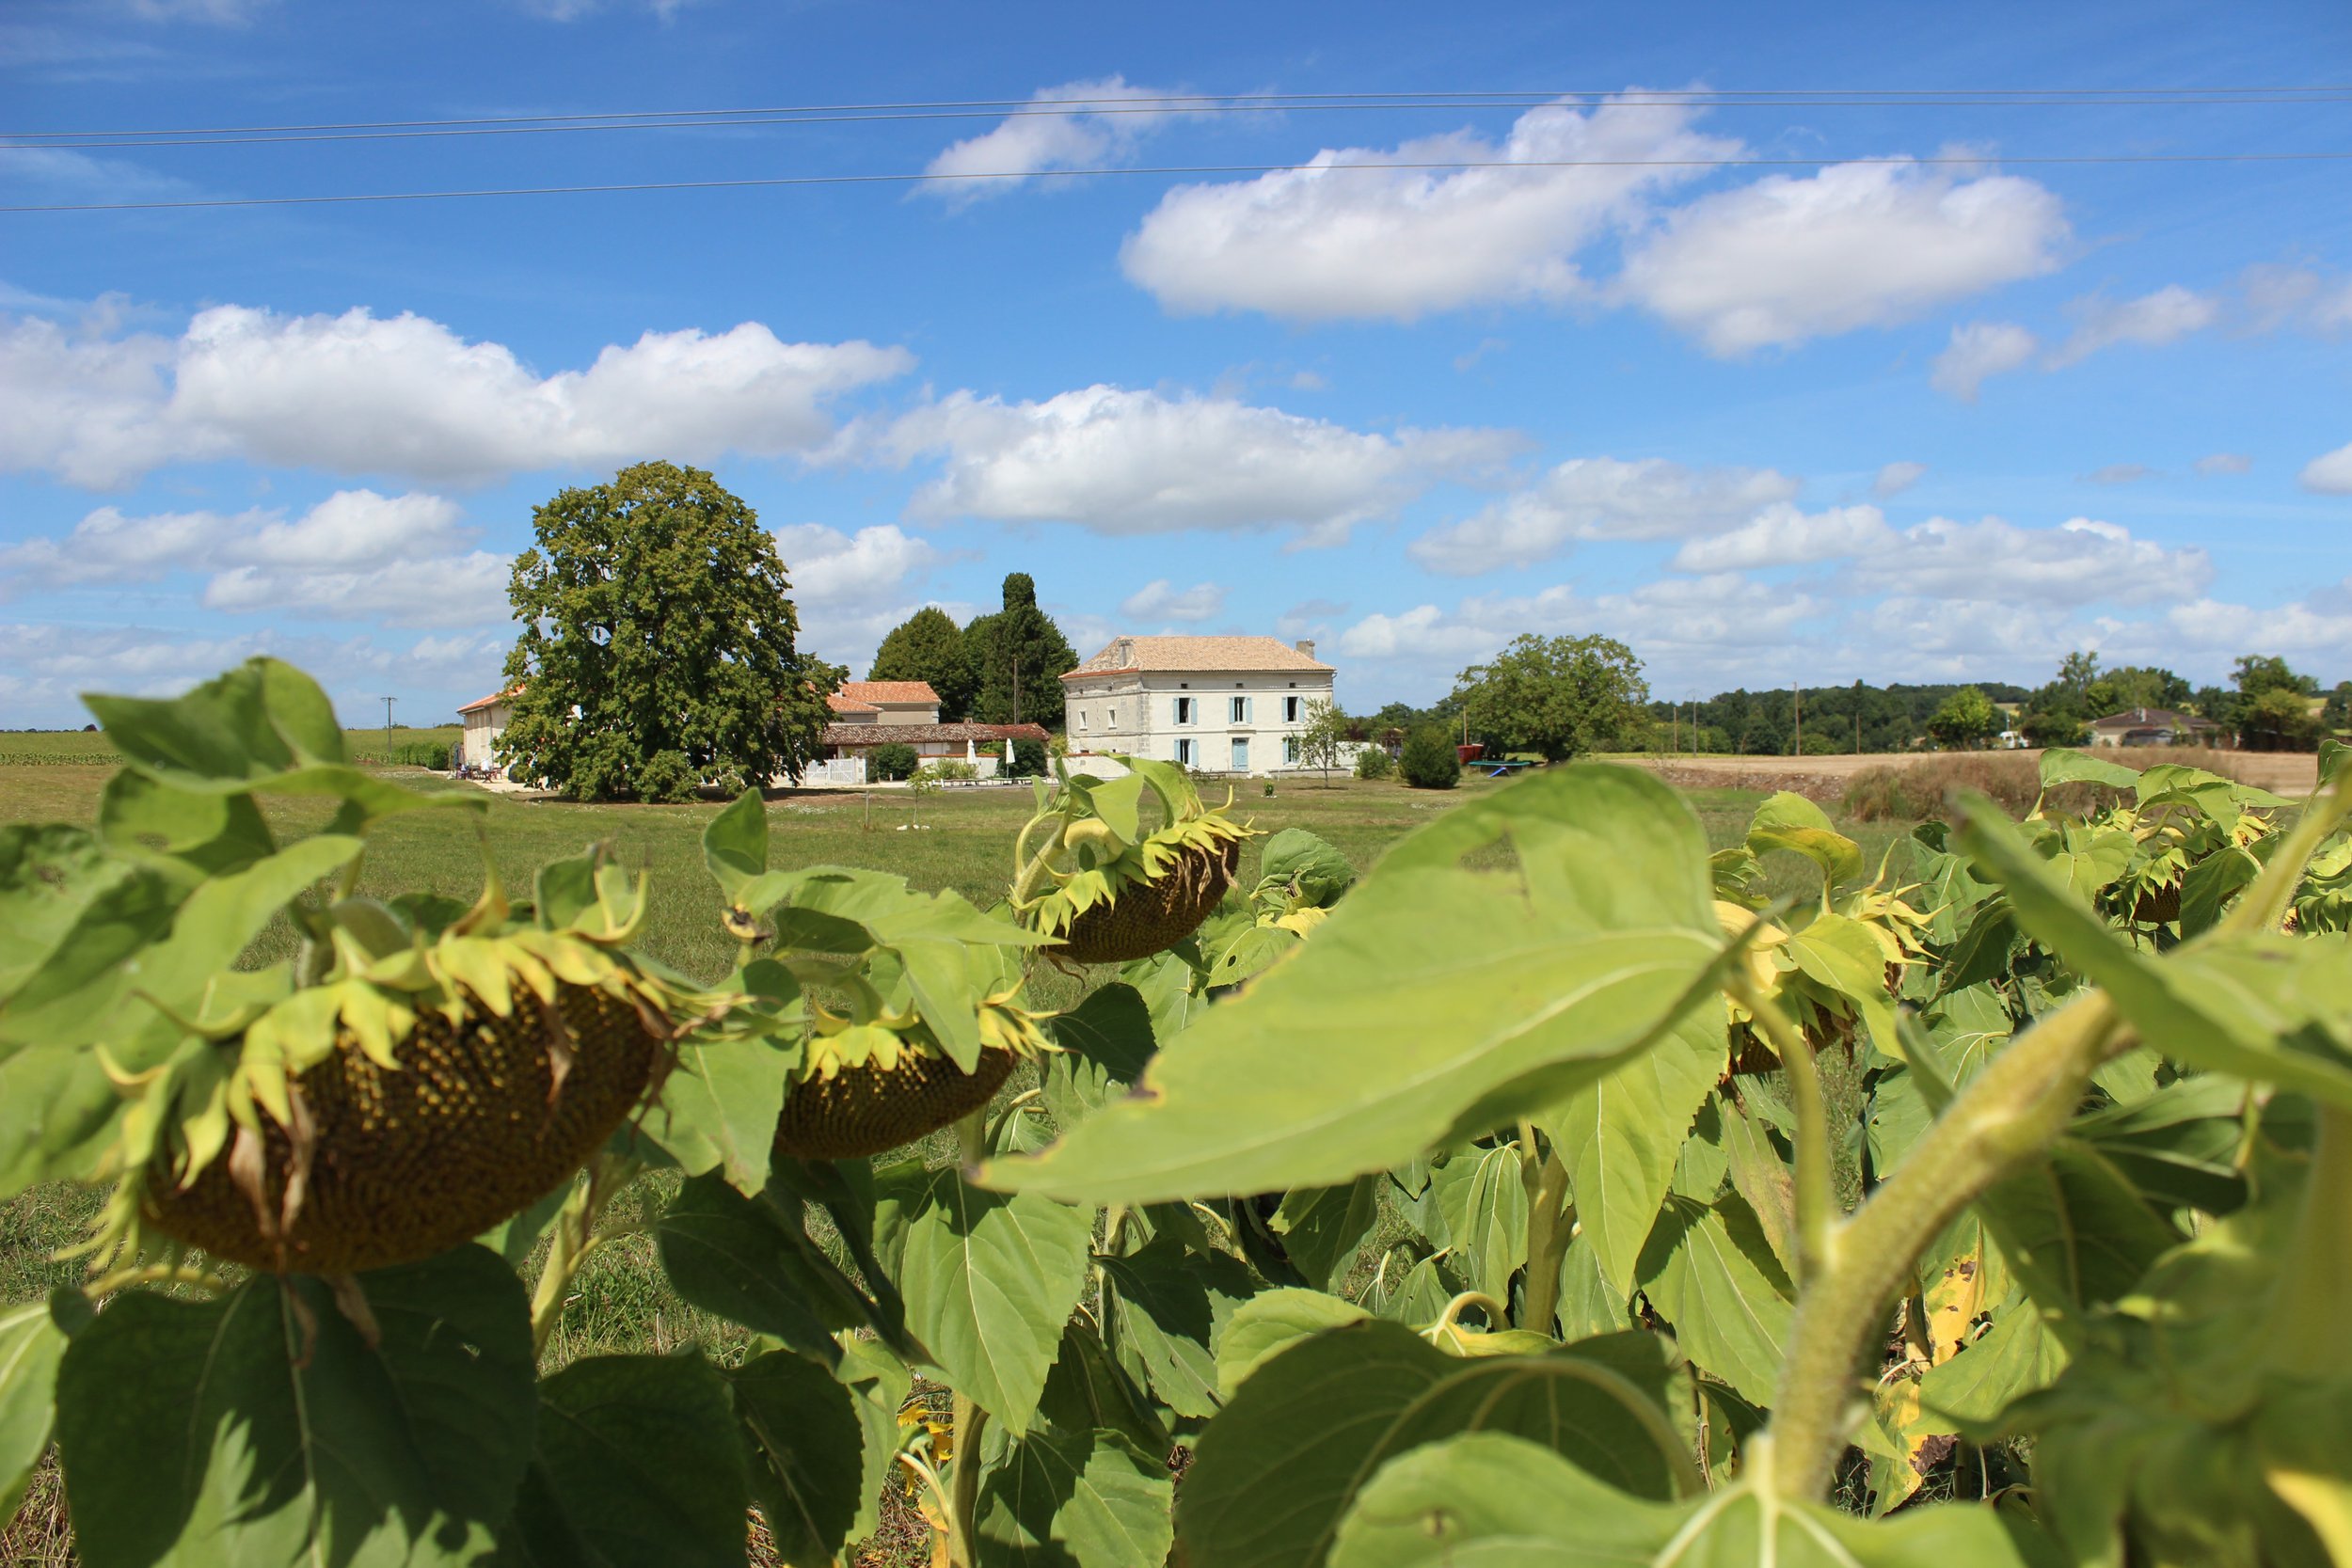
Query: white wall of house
(483, 725)
(1219, 721)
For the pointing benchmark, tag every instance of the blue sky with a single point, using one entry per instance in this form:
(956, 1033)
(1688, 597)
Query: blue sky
(1907, 404)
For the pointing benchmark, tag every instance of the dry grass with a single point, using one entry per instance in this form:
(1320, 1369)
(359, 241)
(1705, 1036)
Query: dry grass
(1915, 791)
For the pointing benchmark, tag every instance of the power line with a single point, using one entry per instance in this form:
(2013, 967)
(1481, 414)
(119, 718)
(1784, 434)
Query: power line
(650, 123)
(1261, 102)
(1163, 169)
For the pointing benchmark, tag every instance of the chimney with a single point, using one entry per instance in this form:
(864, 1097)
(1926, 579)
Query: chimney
(1306, 645)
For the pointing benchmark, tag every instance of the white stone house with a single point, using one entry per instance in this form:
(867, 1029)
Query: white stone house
(1220, 704)
(485, 719)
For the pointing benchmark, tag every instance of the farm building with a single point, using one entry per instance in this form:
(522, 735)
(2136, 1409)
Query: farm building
(866, 714)
(485, 719)
(1221, 704)
(2154, 726)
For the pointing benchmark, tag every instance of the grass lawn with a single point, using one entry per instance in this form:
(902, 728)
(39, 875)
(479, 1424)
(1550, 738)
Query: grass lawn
(621, 1301)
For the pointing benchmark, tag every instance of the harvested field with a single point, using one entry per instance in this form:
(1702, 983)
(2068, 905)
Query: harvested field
(1825, 778)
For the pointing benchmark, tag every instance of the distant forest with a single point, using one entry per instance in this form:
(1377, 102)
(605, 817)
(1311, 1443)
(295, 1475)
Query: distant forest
(1765, 723)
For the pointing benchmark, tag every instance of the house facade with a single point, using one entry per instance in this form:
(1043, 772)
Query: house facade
(2154, 726)
(485, 719)
(866, 714)
(1218, 705)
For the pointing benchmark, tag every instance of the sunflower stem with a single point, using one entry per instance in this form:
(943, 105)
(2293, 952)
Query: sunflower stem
(573, 1243)
(967, 1420)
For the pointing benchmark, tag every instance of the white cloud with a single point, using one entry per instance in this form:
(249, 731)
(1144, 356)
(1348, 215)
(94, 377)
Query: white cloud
(2080, 561)
(1162, 600)
(1780, 535)
(1049, 139)
(220, 13)
(875, 565)
(1978, 351)
(2119, 473)
(1350, 234)
(2152, 320)
(350, 528)
(2330, 473)
(850, 588)
(1857, 245)
(45, 667)
(1896, 478)
(2319, 626)
(2224, 463)
(1599, 497)
(1126, 463)
(2281, 296)
(432, 591)
(396, 560)
(405, 395)
(1674, 626)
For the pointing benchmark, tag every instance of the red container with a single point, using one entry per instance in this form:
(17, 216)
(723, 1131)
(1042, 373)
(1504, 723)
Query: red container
(1469, 753)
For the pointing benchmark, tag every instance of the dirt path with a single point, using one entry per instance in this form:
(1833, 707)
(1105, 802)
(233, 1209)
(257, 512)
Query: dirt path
(2282, 772)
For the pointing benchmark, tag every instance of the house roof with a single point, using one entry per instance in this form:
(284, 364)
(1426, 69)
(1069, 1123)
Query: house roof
(877, 734)
(1181, 654)
(2151, 718)
(481, 703)
(846, 706)
(866, 693)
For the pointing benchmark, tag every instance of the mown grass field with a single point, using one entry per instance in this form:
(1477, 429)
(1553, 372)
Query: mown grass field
(964, 842)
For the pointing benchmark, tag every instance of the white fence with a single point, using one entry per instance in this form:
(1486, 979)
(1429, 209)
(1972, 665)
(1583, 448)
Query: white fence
(833, 771)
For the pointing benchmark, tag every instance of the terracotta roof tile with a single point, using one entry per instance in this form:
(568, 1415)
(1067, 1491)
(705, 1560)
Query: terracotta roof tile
(1177, 655)
(869, 693)
(846, 706)
(481, 703)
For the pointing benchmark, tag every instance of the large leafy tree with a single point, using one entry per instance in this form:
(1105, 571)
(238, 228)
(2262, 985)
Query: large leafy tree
(656, 653)
(1965, 718)
(929, 646)
(1556, 696)
(1021, 656)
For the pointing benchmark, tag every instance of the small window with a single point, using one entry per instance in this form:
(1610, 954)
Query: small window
(1290, 750)
(1188, 752)
(1241, 710)
(1082, 718)
(1113, 719)
(1292, 707)
(1183, 710)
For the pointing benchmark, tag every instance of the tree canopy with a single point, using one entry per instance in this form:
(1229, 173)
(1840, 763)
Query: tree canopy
(1019, 657)
(930, 646)
(656, 651)
(1556, 696)
(1965, 718)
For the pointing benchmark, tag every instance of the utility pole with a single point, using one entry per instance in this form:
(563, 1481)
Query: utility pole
(388, 727)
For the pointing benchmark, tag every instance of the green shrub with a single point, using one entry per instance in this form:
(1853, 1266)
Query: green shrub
(953, 770)
(1028, 759)
(420, 754)
(1373, 762)
(893, 760)
(1430, 761)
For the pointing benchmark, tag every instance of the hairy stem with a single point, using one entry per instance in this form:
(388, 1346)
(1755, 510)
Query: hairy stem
(1033, 875)
(969, 1420)
(573, 1242)
(2017, 1107)
(1817, 1197)
(2306, 1327)
(1548, 1231)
